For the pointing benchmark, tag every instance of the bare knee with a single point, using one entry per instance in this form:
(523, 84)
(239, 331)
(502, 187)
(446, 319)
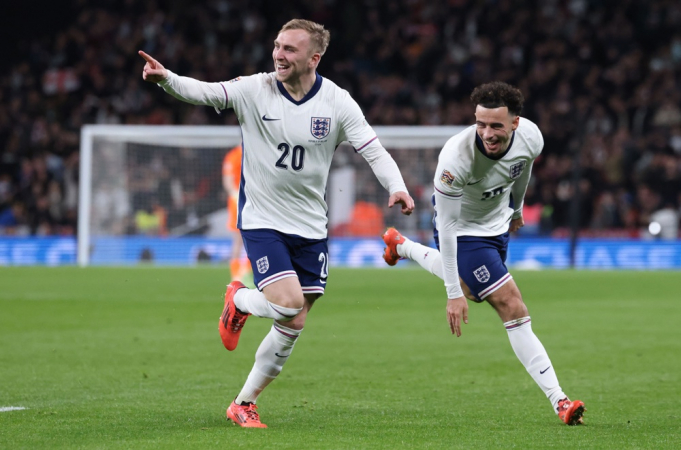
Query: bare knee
(510, 308)
(287, 300)
(508, 302)
(286, 293)
(298, 322)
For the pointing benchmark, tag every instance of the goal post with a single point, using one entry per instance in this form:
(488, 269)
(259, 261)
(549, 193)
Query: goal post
(154, 193)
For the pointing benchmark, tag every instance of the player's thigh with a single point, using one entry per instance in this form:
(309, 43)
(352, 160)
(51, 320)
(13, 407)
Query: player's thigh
(467, 291)
(508, 302)
(481, 264)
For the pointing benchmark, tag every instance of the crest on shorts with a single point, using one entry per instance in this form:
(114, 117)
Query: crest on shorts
(447, 178)
(516, 169)
(482, 274)
(263, 264)
(320, 127)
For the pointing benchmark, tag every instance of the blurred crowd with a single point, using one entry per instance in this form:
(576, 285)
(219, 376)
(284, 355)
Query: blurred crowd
(601, 78)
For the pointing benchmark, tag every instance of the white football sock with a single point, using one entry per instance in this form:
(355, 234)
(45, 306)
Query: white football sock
(532, 354)
(253, 301)
(269, 360)
(426, 257)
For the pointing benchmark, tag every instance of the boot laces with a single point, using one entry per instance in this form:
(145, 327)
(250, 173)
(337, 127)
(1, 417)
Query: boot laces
(238, 321)
(252, 413)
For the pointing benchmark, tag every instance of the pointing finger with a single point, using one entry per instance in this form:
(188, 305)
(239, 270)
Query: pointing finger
(146, 57)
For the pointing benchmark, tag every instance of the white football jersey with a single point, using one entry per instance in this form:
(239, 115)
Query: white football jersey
(288, 146)
(485, 185)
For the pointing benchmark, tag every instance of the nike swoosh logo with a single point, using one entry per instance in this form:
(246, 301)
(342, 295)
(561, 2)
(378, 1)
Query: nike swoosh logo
(264, 117)
(476, 182)
(282, 356)
(541, 372)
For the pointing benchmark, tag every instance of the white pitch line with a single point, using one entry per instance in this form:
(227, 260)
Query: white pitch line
(11, 408)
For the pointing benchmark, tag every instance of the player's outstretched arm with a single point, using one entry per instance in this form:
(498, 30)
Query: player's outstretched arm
(184, 88)
(153, 71)
(404, 199)
(457, 311)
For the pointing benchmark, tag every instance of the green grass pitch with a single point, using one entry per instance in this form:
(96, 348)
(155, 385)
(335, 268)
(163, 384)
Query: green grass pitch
(131, 358)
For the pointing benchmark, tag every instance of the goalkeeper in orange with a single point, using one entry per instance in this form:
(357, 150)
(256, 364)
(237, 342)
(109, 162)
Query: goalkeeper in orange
(231, 177)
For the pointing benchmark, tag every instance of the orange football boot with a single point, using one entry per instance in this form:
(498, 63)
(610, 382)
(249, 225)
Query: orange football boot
(392, 237)
(232, 320)
(245, 415)
(571, 412)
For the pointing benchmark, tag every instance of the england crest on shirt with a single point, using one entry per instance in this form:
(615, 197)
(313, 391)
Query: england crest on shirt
(482, 274)
(262, 264)
(516, 169)
(320, 127)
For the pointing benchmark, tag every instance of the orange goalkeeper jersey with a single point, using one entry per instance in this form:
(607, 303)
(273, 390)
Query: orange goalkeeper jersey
(231, 166)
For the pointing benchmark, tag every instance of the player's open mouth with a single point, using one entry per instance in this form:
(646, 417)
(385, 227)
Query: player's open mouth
(492, 146)
(282, 69)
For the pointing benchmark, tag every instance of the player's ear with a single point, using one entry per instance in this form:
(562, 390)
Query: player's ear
(514, 124)
(314, 59)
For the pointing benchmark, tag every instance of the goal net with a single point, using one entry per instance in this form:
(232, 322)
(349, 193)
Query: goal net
(154, 194)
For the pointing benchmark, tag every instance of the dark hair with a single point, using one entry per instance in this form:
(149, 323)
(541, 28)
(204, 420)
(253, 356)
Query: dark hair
(497, 94)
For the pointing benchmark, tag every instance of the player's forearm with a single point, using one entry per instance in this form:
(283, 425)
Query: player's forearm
(448, 212)
(194, 91)
(385, 169)
(518, 191)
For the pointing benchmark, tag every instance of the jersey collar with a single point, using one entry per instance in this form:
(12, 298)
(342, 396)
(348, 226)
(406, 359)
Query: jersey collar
(481, 147)
(315, 88)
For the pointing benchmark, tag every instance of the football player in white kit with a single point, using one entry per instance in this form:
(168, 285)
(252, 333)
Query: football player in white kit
(292, 120)
(480, 184)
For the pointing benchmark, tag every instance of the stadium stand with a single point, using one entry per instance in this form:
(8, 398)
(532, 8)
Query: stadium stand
(604, 87)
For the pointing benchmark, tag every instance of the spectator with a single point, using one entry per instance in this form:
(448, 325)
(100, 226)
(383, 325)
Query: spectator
(13, 220)
(603, 87)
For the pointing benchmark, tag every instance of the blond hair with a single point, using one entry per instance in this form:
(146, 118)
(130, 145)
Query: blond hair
(319, 37)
